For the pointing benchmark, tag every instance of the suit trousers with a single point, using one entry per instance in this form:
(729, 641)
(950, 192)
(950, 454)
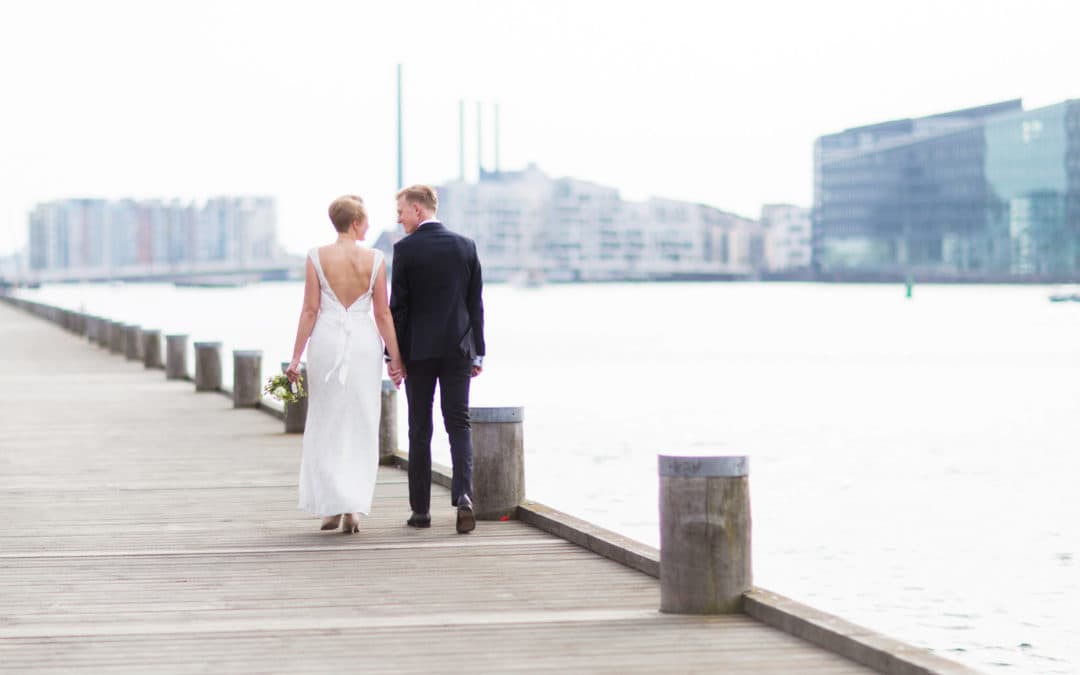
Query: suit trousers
(453, 376)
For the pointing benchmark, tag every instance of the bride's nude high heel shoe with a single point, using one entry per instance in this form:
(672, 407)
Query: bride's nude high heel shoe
(330, 522)
(351, 524)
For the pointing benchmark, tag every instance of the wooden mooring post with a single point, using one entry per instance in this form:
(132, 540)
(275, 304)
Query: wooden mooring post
(101, 335)
(176, 357)
(498, 461)
(116, 337)
(207, 366)
(247, 376)
(704, 534)
(388, 423)
(132, 335)
(151, 340)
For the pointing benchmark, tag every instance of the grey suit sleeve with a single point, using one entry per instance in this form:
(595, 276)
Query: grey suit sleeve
(476, 305)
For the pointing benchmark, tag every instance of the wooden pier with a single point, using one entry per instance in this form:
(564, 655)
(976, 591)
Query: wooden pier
(148, 528)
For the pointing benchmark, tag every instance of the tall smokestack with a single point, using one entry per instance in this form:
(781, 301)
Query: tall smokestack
(479, 140)
(400, 168)
(496, 138)
(461, 141)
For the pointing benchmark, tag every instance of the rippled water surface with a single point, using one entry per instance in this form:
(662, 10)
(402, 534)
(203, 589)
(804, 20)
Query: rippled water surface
(913, 462)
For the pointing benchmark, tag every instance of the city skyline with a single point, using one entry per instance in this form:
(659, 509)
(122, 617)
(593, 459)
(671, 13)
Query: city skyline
(697, 103)
(95, 239)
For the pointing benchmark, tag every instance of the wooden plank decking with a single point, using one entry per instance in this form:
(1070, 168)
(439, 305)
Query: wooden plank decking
(146, 528)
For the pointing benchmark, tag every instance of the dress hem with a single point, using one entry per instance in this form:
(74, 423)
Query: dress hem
(320, 512)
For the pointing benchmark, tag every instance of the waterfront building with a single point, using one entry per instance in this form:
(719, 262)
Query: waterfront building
(986, 193)
(787, 238)
(10, 269)
(96, 238)
(530, 226)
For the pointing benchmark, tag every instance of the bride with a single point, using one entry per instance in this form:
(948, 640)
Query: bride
(345, 355)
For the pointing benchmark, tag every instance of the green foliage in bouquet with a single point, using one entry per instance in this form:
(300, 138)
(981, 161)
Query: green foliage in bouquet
(281, 389)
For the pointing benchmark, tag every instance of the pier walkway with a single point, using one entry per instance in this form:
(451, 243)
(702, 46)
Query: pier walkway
(147, 528)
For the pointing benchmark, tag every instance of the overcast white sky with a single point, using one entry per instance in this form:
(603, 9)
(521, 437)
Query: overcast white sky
(717, 102)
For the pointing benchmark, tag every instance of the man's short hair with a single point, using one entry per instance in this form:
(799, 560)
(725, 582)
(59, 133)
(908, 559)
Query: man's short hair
(423, 195)
(346, 209)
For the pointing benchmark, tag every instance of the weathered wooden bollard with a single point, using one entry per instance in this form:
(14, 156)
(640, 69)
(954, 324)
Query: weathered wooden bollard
(207, 366)
(296, 413)
(176, 357)
(101, 335)
(151, 340)
(132, 335)
(116, 337)
(704, 534)
(388, 432)
(247, 378)
(91, 328)
(498, 461)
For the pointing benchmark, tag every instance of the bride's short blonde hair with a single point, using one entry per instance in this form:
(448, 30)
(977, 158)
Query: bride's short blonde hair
(345, 210)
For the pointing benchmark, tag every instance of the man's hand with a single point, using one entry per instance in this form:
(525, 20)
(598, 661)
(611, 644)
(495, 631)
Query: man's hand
(476, 370)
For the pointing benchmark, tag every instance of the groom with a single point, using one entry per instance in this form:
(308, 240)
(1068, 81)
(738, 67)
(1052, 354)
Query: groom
(439, 319)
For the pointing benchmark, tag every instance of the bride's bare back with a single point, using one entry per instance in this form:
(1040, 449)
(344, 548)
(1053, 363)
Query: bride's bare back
(347, 269)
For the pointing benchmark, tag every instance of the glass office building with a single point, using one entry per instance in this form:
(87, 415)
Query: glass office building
(987, 193)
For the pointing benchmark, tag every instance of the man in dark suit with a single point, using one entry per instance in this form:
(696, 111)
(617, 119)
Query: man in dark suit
(438, 313)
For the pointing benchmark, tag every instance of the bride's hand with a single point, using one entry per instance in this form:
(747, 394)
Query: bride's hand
(293, 371)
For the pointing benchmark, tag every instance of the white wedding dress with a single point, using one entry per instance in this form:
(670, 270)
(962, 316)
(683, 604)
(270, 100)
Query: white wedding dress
(344, 381)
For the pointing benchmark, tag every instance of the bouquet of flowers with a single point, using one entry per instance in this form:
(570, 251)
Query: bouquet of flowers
(281, 389)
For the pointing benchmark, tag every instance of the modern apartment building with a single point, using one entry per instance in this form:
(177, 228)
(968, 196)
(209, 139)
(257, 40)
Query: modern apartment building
(986, 193)
(788, 238)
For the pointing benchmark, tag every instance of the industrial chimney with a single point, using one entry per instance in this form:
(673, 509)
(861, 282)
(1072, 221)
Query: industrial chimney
(400, 168)
(479, 140)
(496, 138)
(461, 140)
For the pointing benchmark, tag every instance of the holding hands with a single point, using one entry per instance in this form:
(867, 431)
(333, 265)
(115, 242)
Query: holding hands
(395, 369)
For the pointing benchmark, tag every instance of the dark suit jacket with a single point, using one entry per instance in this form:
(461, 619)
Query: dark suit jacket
(435, 295)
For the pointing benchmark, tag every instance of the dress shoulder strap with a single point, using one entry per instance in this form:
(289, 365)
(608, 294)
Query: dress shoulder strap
(313, 254)
(376, 261)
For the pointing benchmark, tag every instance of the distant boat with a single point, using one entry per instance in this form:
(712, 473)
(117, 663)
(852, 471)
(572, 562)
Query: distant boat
(1065, 294)
(531, 277)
